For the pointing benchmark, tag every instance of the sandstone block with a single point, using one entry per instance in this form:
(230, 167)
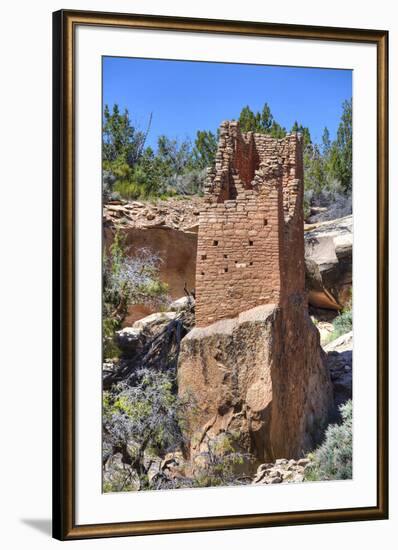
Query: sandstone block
(261, 375)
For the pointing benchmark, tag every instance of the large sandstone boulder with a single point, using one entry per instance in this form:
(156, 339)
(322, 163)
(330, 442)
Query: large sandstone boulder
(328, 262)
(152, 342)
(132, 340)
(261, 375)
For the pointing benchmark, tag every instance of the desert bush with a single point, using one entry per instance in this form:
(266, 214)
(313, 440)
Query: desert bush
(143, 419)
(336, 200)
(308, 194)
(342, 323)
(136, 280)
(108, 182)
(189, 183)
(127, 281)
(148, 419)
(333, 459)
(109, 347)
(219, 463)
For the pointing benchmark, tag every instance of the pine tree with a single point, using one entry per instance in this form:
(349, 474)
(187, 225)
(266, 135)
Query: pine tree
(205, 148)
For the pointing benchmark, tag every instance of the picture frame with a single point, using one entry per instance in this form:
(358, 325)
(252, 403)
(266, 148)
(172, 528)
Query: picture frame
(65, 292)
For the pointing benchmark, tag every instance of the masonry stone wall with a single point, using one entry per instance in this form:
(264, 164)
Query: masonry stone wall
(250, 242)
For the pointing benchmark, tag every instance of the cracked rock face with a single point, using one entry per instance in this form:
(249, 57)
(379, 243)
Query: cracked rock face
(261, 375)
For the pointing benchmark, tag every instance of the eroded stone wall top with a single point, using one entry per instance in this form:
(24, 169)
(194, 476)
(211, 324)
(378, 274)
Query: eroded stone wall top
(250, 243)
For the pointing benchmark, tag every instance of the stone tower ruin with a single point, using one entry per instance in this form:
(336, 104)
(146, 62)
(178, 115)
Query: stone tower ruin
(251, 241)
(253, 364)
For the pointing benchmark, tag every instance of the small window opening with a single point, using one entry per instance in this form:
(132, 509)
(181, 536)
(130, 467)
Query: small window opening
(202, 273)
(225, 255)
(251, 263)
(225, 269)
(265, 222)
(215, 243)
(204, 256)
(251, 243)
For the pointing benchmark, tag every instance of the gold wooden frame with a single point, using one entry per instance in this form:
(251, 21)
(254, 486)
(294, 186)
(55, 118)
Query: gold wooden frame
(64, 25)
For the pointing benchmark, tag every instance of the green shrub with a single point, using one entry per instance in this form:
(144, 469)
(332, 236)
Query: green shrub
(145, 418)
(307, 203)
(220, 462)
(128, 190)
(341, 324)
(333, 459)
(109, 327)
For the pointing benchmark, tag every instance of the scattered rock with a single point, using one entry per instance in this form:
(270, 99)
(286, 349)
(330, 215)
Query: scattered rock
(130, 340)
(275, 479)
(173, 465)
(303, 462)
(154, 320)
(281, 471)
(118, 476)
(182, 303)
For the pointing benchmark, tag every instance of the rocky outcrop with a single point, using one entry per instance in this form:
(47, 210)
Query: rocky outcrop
(261, 375)
(179, 214)
(169, 230)
(328, 259)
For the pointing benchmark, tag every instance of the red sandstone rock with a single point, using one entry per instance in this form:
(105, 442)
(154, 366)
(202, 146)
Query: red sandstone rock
(261, 375)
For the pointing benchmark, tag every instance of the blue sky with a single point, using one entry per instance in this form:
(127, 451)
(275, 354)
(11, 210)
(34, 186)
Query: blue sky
(186, 96)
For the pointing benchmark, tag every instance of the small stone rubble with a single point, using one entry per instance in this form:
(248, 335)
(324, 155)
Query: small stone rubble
(281, 471)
